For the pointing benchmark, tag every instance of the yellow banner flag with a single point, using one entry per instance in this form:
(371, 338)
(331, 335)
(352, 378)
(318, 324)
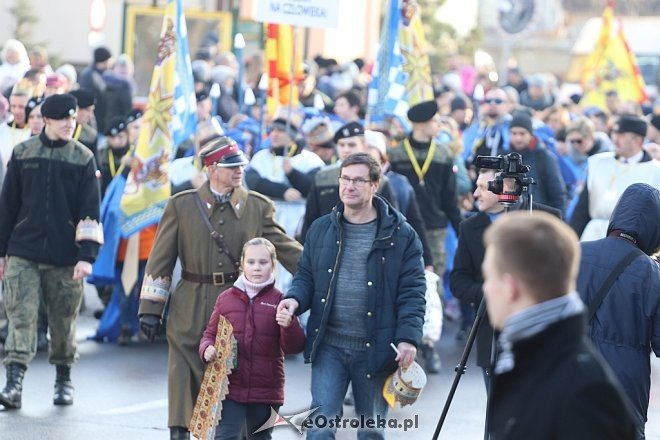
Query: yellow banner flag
(611, 66)
(169, 119)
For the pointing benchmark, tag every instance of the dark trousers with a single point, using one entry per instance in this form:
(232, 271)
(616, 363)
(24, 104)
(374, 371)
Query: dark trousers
(251, 416)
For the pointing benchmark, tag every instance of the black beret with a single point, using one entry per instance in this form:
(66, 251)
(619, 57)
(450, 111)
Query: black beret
(458, 103)
(522, 120)
(422, 112)
(59, 106)
(31, 105)
(655, 121)
(630, 124)
(85, 97)
(101, 54)
(280, 124)
(116, 126)
(201, 95)
(349, 130)
(134, 115)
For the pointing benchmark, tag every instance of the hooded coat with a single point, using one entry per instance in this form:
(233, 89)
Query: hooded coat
(626, 326)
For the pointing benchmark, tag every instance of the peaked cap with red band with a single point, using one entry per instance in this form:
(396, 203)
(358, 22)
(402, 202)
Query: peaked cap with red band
(223, 152)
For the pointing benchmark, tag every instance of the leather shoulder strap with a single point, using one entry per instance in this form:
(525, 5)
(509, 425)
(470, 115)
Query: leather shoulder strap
(214, 234)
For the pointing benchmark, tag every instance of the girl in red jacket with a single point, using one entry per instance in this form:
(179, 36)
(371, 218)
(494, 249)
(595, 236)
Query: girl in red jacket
(264, 336)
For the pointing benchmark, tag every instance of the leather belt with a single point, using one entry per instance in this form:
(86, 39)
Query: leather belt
(217, 278)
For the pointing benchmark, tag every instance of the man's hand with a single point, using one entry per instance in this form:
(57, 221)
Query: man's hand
(287, 166)
(2, 268)
(406, 356)
(81, 270)
(287, 306)
(292, 194)
(149, 324)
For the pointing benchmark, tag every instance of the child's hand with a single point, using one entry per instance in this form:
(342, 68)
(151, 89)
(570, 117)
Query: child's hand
(210, 353)
(284, 318)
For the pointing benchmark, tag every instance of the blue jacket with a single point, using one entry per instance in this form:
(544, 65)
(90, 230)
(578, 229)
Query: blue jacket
(626, 326)
(395, 276)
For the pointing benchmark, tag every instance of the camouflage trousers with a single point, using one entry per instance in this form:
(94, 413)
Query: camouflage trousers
(26, 285)
(436, 239)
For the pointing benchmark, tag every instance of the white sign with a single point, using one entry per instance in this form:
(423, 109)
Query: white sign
(307, 13)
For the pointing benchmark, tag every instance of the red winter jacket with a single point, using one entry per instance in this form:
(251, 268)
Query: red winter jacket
(262, 344)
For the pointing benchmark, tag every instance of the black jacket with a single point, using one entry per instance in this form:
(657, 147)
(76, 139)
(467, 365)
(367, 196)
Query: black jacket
(466, 280)
(437, 198)
(50, 187)
(626, 326)
(559, 389)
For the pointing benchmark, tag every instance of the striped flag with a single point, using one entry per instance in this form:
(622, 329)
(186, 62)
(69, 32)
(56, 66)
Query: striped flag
(401, 75)
(611, 66)
(280, 56)
(169, 118)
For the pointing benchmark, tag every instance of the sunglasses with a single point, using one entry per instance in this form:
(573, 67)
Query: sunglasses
(493, 101)
(576, 141)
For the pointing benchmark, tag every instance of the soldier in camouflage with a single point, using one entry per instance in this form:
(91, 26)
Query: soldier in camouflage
(49, 238)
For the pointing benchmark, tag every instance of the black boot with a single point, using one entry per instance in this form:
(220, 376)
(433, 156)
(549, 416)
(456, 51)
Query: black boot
(63, 386)
(10, 397)
(431, 359)
(179, 433)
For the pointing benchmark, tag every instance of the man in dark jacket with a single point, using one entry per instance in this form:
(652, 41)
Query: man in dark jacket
(549, 188)
(362, 278)
(626, 326)
(466, 279)
(49, 238)
(549, 382)
(92, 79)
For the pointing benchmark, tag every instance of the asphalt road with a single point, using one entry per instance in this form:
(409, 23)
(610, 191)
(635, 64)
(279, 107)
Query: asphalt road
(121, 394)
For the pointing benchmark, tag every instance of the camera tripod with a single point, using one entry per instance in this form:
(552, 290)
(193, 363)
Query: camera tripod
(461, 368)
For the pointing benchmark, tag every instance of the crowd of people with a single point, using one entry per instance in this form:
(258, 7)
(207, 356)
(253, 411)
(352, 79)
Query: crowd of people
(316, 212)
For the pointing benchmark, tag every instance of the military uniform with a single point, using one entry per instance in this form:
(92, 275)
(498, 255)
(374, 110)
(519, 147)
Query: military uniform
(436, 189)
(183, 234)
(49, 222)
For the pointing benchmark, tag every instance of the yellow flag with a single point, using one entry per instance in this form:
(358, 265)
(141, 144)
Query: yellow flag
(611, 66)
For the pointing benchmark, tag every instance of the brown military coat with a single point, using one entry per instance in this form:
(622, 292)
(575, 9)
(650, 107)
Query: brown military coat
(183, 234)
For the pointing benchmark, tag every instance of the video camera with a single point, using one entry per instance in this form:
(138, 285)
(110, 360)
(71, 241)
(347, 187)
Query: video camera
(511, 179)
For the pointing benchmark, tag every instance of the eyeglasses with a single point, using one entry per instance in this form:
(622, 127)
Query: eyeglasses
(493, 101)
(359, 183)
(576, 141)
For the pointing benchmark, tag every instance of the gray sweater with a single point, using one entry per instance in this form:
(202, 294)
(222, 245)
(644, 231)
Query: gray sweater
(347, 327)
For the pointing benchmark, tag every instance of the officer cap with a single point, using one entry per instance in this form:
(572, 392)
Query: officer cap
(116, 126)
(223, 152)
(630, 124)
(85, 97)
(423, 112)
(349, 130)
(59, 106)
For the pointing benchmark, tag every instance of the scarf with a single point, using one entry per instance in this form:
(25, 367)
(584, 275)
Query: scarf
(532, 321)
(252, 288)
